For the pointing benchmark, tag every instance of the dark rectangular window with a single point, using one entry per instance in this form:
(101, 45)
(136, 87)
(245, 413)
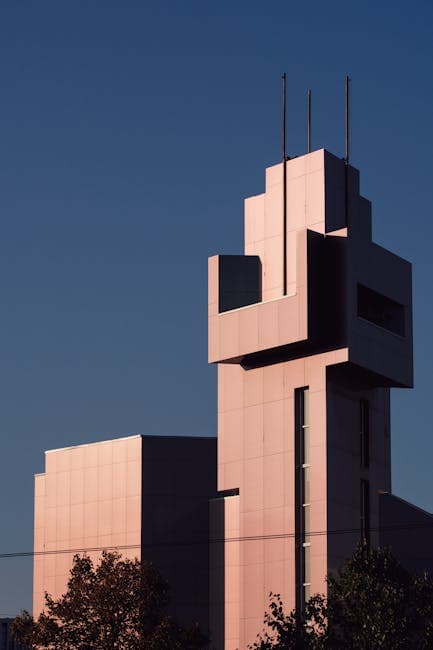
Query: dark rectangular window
(380, 310)
(364, 429)
(302, 497)
(365, 512)
(240, 281)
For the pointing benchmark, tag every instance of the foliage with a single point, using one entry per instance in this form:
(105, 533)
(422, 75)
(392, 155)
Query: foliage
(119, 604)
(293, 631)
(373, 602)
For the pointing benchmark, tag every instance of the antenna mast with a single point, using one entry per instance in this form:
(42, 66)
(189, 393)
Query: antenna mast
(284, 185)
(347, 149)
(308, 121)
(346, 155)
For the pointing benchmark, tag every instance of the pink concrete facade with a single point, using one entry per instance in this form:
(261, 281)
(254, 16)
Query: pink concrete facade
(310, 329)
(255, 454)
(337, 330)
(145, 496)
(89, 497)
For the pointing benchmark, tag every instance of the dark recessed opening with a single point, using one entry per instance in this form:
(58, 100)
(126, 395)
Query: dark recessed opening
(240, 279)
(380, 310)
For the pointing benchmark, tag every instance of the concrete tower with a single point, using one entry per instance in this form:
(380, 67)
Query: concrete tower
(310, 329)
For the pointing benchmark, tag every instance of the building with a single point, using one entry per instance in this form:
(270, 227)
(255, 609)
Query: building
(310, 330)
(146, 496)
(6, 641)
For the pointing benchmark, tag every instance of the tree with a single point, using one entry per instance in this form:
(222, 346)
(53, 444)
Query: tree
(293, 631)
(373, 602)
(119, 604)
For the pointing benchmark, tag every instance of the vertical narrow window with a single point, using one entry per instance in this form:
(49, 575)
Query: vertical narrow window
(365, 512)
(364, 428)
(302, 496)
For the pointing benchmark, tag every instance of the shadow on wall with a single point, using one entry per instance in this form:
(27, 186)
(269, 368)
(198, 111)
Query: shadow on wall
(179, 478)
(217, 572)
(408, 531)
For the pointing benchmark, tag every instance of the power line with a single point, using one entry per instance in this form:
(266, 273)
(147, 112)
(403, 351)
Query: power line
(208, 541)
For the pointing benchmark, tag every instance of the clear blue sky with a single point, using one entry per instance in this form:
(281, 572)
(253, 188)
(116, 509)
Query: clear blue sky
(130, 133)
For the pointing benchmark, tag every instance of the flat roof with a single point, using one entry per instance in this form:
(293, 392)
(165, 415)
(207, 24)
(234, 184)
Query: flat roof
(136, 435)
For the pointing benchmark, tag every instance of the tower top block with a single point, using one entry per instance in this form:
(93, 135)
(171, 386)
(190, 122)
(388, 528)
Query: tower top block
(342, 289)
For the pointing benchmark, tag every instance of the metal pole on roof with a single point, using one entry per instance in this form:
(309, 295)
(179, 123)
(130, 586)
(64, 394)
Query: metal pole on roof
(284, 152)
(347, 117)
